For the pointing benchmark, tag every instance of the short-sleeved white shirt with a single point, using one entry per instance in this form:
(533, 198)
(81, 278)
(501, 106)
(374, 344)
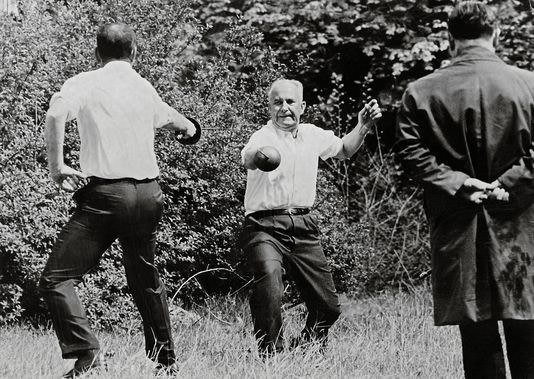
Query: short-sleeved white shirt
(293, 182)
(116, 111)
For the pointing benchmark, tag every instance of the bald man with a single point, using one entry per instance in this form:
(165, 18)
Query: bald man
(280, 235)
(117, 195)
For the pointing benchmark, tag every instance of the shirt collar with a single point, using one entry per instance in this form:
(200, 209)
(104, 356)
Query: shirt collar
(280, 132)
(118, 63)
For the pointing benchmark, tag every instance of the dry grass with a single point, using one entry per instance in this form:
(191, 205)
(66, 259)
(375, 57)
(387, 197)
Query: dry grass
(386, 336)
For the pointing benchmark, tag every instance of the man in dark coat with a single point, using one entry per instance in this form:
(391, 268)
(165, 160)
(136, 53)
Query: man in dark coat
(465, 133)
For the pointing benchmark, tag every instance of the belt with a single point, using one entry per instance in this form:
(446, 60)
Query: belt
(278, 212)
(97, 180)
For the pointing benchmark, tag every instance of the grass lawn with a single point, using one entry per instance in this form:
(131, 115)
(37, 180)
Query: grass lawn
(390, 335)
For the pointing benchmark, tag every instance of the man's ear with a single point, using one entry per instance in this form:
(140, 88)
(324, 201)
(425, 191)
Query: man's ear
(452, 45)
(303, 106)
(133, 56)
(495, 36)
(97, 56)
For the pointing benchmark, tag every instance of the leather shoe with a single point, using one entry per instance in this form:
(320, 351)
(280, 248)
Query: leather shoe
(163, 369)
(305, 342)
(86, 361)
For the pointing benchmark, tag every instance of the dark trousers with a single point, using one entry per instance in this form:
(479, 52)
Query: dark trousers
(483, 353)
(130, 211)
(288, 243)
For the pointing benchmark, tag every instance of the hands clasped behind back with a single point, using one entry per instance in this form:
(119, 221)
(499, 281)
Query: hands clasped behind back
(477, 191)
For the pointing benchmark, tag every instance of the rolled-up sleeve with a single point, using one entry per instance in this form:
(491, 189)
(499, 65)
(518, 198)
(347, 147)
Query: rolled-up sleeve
(328, 144)
(253, 143)
(163, 112)
(71, 95)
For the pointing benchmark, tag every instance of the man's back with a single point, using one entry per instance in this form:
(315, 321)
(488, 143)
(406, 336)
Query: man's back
(117, 111)
(473, 119)
(475, 114)
(465, 133)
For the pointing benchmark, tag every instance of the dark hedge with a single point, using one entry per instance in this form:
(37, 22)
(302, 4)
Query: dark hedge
(214, 61)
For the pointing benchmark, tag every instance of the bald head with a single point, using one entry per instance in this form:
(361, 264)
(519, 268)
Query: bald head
(287, 82)
(115, 41)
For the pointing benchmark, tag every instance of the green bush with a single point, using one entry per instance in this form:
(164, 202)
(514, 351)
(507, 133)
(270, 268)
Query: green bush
(10, 307)
(214, 61)
(346, 51)
(223, 85)
(203, 184)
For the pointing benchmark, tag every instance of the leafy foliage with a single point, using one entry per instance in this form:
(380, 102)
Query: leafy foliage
(345, 51)
(203, 184)
(374, 46)
(10, 307)
(214, 60)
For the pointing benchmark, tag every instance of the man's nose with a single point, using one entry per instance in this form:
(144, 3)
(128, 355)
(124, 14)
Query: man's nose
(285, 105)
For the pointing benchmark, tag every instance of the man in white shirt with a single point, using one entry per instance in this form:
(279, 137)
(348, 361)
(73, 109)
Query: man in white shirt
(117, 194)
(279, 232)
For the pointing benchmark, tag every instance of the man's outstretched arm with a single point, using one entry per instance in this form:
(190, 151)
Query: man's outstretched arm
(186, 128)
(179, 123)
(353, 140)
(248, 159)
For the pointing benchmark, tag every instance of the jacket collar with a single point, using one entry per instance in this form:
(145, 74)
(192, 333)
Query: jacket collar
(476, 53)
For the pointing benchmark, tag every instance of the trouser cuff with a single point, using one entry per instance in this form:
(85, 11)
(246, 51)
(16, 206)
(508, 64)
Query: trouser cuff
(73, 352)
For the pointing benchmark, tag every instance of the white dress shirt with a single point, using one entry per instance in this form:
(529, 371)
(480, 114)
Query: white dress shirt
(117, 111)
(293, 182)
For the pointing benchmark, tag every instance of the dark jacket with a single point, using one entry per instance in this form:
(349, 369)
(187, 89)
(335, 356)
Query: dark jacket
(474, 118)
